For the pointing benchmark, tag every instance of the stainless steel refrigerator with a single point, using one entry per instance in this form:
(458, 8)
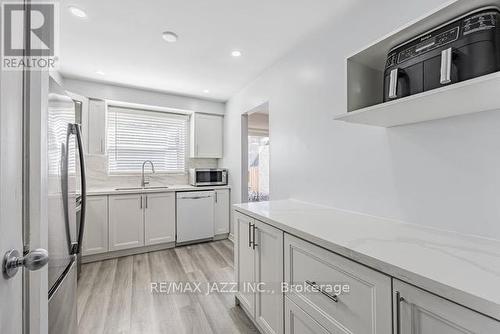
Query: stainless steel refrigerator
(66, 165)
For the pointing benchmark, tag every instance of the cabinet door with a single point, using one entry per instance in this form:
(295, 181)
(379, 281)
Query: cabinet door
(97, 127)
(159, 218)
(419, 312)
(297, 321)
(244, 262)
(95, 235)
(126, 228)
(207, 136)
(222, 211)
(269, 271)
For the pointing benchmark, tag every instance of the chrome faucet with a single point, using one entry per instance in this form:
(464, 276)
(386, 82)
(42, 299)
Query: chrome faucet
(144, 182)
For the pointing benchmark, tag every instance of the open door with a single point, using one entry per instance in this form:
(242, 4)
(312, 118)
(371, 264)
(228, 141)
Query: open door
(23, 223)
(11, 200)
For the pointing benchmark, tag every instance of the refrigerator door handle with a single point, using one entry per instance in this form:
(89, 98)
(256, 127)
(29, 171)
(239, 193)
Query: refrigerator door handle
(64, 187)
(77, 130)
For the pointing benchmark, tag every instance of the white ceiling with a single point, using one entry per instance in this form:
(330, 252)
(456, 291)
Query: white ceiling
(123, 38)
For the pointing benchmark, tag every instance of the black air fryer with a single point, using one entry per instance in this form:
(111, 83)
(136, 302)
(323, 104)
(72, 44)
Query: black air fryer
(465, 48)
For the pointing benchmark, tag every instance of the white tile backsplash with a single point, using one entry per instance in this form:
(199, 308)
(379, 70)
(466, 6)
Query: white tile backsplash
(98, 178)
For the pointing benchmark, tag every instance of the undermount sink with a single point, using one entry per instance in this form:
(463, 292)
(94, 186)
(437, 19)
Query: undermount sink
(141, 188)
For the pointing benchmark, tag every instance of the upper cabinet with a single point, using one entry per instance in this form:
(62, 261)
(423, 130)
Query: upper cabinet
(206, 136)
(97, 127)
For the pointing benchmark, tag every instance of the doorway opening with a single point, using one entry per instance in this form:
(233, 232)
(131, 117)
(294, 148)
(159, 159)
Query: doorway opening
(257, 154)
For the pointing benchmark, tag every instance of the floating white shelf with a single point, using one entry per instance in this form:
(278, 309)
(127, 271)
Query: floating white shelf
(365, 79)
(467, 97)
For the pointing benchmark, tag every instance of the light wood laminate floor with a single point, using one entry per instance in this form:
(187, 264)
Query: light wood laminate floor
(114, 296)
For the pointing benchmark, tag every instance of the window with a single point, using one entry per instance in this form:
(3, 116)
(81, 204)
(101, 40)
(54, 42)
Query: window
(138, 135)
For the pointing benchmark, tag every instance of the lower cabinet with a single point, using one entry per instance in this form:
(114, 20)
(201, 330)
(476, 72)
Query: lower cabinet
(328, 293)
(141, 220)
(419, 312)
(297, 321)
(126, 227)
(342, 295)
(244, 259)
(95, 234)
(221, 210)
(259, 258)
(159, 218)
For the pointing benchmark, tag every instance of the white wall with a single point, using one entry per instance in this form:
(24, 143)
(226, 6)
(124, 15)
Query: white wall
(444, 174)
(140, 96)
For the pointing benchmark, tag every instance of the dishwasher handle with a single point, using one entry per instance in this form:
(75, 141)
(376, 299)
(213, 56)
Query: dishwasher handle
(195, 197)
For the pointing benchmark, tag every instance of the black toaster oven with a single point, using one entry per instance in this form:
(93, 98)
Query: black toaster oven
(462, 49)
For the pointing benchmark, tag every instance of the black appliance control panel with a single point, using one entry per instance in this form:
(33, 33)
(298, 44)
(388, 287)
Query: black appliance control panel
(439, 38)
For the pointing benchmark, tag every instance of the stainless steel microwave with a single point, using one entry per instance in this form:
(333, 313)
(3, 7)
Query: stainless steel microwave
(199, 177)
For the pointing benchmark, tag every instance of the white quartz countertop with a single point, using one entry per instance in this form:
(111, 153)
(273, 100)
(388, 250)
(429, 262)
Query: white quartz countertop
(152, 189)
(461, 268)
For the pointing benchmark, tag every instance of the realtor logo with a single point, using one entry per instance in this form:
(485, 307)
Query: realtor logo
(29, 35)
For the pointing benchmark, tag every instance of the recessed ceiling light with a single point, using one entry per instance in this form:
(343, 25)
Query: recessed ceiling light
(206, 91)
(78, 12)
(170, 37)
(236, 53)
(100, 72)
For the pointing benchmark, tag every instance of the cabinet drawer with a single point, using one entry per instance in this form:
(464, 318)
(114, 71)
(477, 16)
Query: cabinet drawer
(364, 308)
(297, 321)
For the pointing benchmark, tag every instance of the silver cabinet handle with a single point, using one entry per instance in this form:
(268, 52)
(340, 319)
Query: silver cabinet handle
(393, 84)
(146, 201)
(216, 197)
(446, 60)
(102, 145)
(254, 244)
(249, 234)
(34, 260)
(140, 202)
(335, 298)
(398, 301)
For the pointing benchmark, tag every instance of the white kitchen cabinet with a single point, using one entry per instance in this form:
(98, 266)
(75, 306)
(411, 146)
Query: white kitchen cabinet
(259, 259)
(244, 262)
(126, 227)
(97, 127)
(222, 202)
(159, 218)
(206, 136)
(95, 235)
(297, 321)
(419, 312)
(356, 298)
(269, 271)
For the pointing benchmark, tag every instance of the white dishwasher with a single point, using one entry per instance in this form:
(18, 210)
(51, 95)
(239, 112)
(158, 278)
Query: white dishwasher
(195, 215)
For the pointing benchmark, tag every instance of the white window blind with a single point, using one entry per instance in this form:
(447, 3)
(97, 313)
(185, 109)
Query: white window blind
(138, 135)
